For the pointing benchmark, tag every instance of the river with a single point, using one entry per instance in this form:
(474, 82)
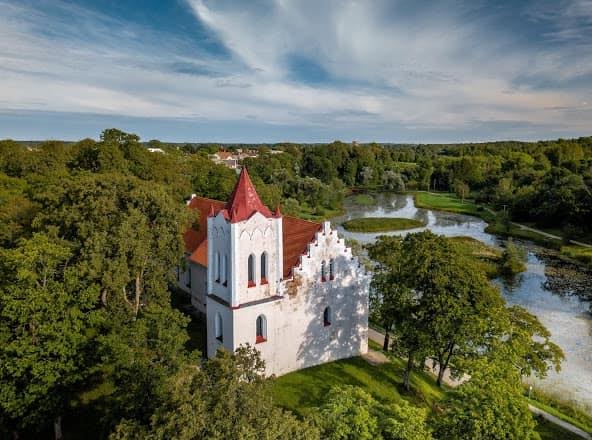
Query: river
(543, 289)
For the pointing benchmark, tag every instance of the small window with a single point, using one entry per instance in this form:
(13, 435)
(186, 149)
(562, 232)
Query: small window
(323, 271)
(261, 332)
(331, 269)
(225, 270)
(327, 317)
(217, 267)
(264, 268)
(251, 271)
(189, 277)
(218, 328)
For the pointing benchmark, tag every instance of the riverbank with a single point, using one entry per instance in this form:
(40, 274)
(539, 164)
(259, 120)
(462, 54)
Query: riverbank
(381, 224)
(497, 225)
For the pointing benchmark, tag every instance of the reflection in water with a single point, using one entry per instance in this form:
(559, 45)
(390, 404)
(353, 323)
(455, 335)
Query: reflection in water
(564, 314)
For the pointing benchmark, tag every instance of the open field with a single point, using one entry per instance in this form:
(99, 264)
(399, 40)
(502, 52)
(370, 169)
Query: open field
(381, 224)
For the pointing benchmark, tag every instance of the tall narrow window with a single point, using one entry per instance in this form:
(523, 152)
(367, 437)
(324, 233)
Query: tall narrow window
(217, 267)
(261, 331)
(225, 270)
(323, 271)
(327, 316)
(251, 270)
(218, 328)
(264, 268)
(189, 277)
(331, 269)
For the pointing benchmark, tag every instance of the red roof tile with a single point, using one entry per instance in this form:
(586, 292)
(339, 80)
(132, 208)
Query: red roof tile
(243, 203)
(297, 234)
(244, 200)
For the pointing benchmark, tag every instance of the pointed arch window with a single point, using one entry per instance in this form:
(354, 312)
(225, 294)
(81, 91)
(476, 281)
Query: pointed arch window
(251, 270)
(332, 269)
(218, 327)
(225, 270)
(264, 268)
(324, 271)
(217, 267)
(327, 316)
(261, 329)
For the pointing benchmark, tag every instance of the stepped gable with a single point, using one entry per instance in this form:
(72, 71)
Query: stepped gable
(297, 234)
(244, 200)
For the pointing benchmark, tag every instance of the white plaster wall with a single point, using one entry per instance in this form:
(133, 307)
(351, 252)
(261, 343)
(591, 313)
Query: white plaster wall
(199, 282)
(219, 240)
(296, 335)
(214, 344)
(254, 236)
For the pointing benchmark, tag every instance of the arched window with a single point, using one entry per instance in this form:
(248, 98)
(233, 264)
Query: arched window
(261, 332)
(218, 328)
(217, 267)
(264, 268)
(251, 270)
(331, 269)
(225, 270)
(323, 271)
(327, 316)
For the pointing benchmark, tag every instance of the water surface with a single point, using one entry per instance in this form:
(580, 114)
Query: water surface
(565, 314)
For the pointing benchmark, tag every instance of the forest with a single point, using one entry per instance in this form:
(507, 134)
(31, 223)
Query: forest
(90, 235)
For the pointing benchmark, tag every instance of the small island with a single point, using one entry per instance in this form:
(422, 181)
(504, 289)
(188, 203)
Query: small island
(381, 224)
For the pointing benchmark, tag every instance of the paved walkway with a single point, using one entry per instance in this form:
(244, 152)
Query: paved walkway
(379, 339)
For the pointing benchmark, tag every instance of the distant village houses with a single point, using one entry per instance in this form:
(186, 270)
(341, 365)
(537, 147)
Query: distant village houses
(232, 159)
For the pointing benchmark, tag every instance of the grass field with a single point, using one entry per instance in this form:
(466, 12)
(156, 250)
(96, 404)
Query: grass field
(449, 202)
(381, 224)
(364, 199)
(582, 254)
(488, 258)
(307, 388)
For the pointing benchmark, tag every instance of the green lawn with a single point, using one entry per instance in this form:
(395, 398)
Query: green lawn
(549, 431)
(580, 253)
(364, 199)
(381, 224)
(307, 388)
(449, 202)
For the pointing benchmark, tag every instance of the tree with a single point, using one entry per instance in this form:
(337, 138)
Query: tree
(489, 406)
(461, 189)
(349, 412)
(228, 398)
(46, 311)
(453, 308)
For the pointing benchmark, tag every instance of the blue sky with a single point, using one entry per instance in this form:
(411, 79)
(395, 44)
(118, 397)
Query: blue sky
(296, 70)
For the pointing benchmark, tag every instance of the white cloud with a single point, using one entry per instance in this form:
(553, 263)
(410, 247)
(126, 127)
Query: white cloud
(435, 69)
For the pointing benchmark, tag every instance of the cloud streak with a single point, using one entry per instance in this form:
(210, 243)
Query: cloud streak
(379, 68)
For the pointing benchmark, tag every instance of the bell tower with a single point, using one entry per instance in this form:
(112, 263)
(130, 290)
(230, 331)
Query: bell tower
(245, 256)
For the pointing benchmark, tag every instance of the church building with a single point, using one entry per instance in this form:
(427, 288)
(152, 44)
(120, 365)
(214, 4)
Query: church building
(287, 286)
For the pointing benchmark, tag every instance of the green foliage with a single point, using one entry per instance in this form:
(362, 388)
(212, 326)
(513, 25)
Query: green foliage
(227, 398)
(381, 224)
(512, 260)
(487, 407)
(46, 310)
(351, 413)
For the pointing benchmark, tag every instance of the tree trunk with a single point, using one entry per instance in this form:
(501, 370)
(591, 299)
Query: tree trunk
(444, 364)
(15, 435)
(57, 428)
(138, 295)
(408, 368)
(441, 371)
(386, 343)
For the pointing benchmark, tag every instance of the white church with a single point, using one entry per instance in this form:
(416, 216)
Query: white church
(287, 286)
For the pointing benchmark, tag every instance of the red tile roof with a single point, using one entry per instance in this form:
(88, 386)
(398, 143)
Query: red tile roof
(244, 200)
(243, 203)
(297, 234)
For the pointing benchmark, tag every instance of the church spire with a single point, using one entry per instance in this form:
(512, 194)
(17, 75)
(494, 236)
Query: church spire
(244, 200)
